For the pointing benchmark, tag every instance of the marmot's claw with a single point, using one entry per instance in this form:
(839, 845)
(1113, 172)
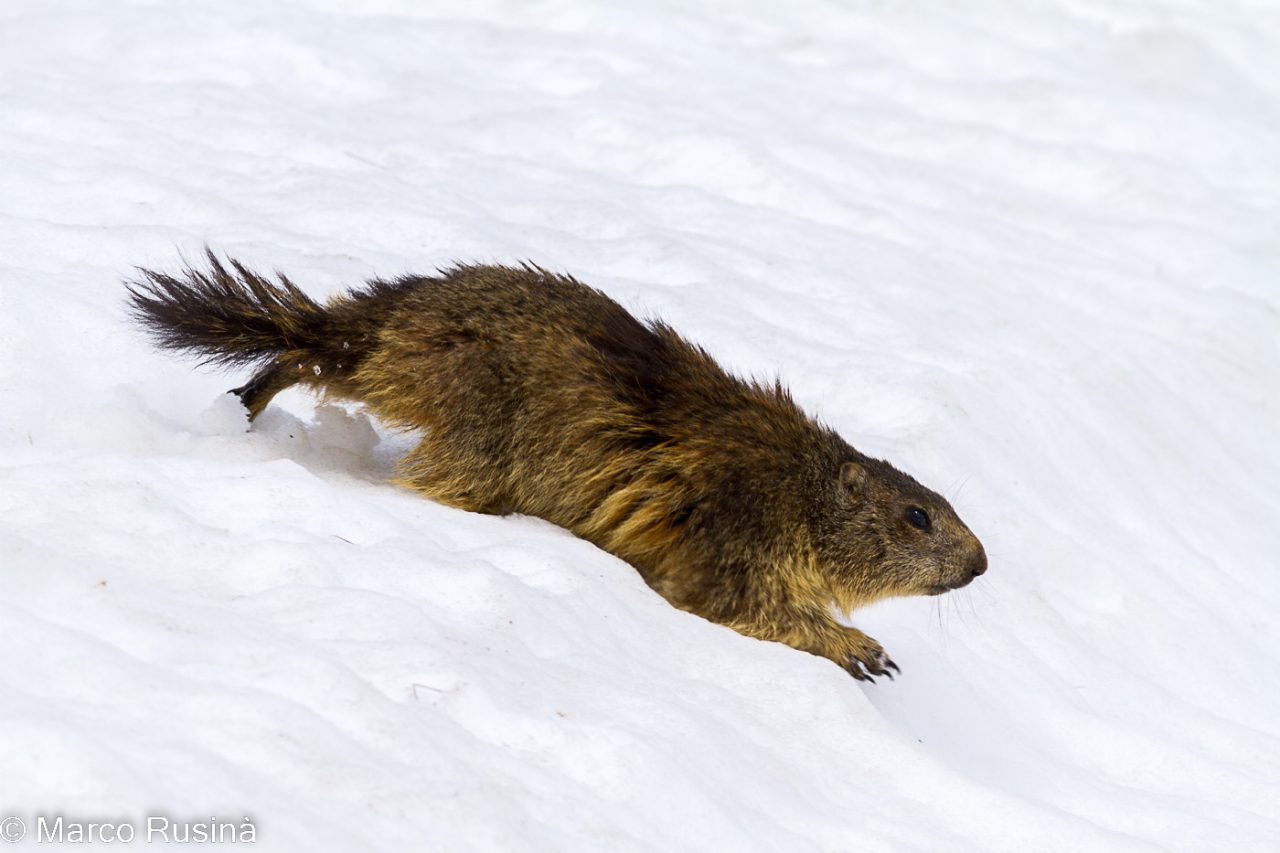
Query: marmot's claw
(855, 668)
(876, 663)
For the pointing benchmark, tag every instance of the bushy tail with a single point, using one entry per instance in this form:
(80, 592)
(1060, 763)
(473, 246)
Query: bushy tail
(228, 317)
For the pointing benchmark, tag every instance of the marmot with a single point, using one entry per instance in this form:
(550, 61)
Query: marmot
(540, 395)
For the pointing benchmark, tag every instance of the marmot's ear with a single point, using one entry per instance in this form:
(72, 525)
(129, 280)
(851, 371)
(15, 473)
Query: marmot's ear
(853, 477)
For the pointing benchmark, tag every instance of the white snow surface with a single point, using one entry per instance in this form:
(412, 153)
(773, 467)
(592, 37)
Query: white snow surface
(1029, 252)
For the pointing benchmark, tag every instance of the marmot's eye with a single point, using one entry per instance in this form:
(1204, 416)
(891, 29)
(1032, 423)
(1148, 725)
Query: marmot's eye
(918, 517)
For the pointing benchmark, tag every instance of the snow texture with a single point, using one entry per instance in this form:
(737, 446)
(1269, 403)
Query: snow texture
(1030, 252)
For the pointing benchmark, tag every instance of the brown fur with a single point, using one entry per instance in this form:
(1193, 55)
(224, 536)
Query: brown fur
(537, 394)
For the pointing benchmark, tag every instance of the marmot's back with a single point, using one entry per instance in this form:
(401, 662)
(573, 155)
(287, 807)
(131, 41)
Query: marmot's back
(548, 386)
(537, 394)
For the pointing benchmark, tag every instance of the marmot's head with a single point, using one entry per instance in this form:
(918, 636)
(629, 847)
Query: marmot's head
(887, 535)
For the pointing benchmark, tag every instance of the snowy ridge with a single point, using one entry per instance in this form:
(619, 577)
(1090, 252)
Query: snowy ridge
(1025, 250)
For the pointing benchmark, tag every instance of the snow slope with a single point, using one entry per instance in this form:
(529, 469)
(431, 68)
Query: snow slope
(1027, 251)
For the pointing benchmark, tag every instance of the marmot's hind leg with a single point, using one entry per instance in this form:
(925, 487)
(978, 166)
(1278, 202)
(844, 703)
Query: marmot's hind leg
(453, 476)
(265, 384)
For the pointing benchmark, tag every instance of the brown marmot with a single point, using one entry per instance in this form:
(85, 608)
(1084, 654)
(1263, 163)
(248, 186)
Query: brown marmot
(537, 394)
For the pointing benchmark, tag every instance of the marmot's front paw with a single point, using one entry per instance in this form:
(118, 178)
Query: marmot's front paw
(869, 660)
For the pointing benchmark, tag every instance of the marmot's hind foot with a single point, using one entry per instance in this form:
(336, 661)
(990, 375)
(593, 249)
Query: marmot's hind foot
(258, 391)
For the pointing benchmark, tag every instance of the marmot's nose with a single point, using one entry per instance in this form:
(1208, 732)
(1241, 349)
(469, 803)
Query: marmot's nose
(978, 564)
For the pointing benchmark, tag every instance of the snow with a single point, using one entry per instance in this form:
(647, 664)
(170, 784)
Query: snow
(1027, 251)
